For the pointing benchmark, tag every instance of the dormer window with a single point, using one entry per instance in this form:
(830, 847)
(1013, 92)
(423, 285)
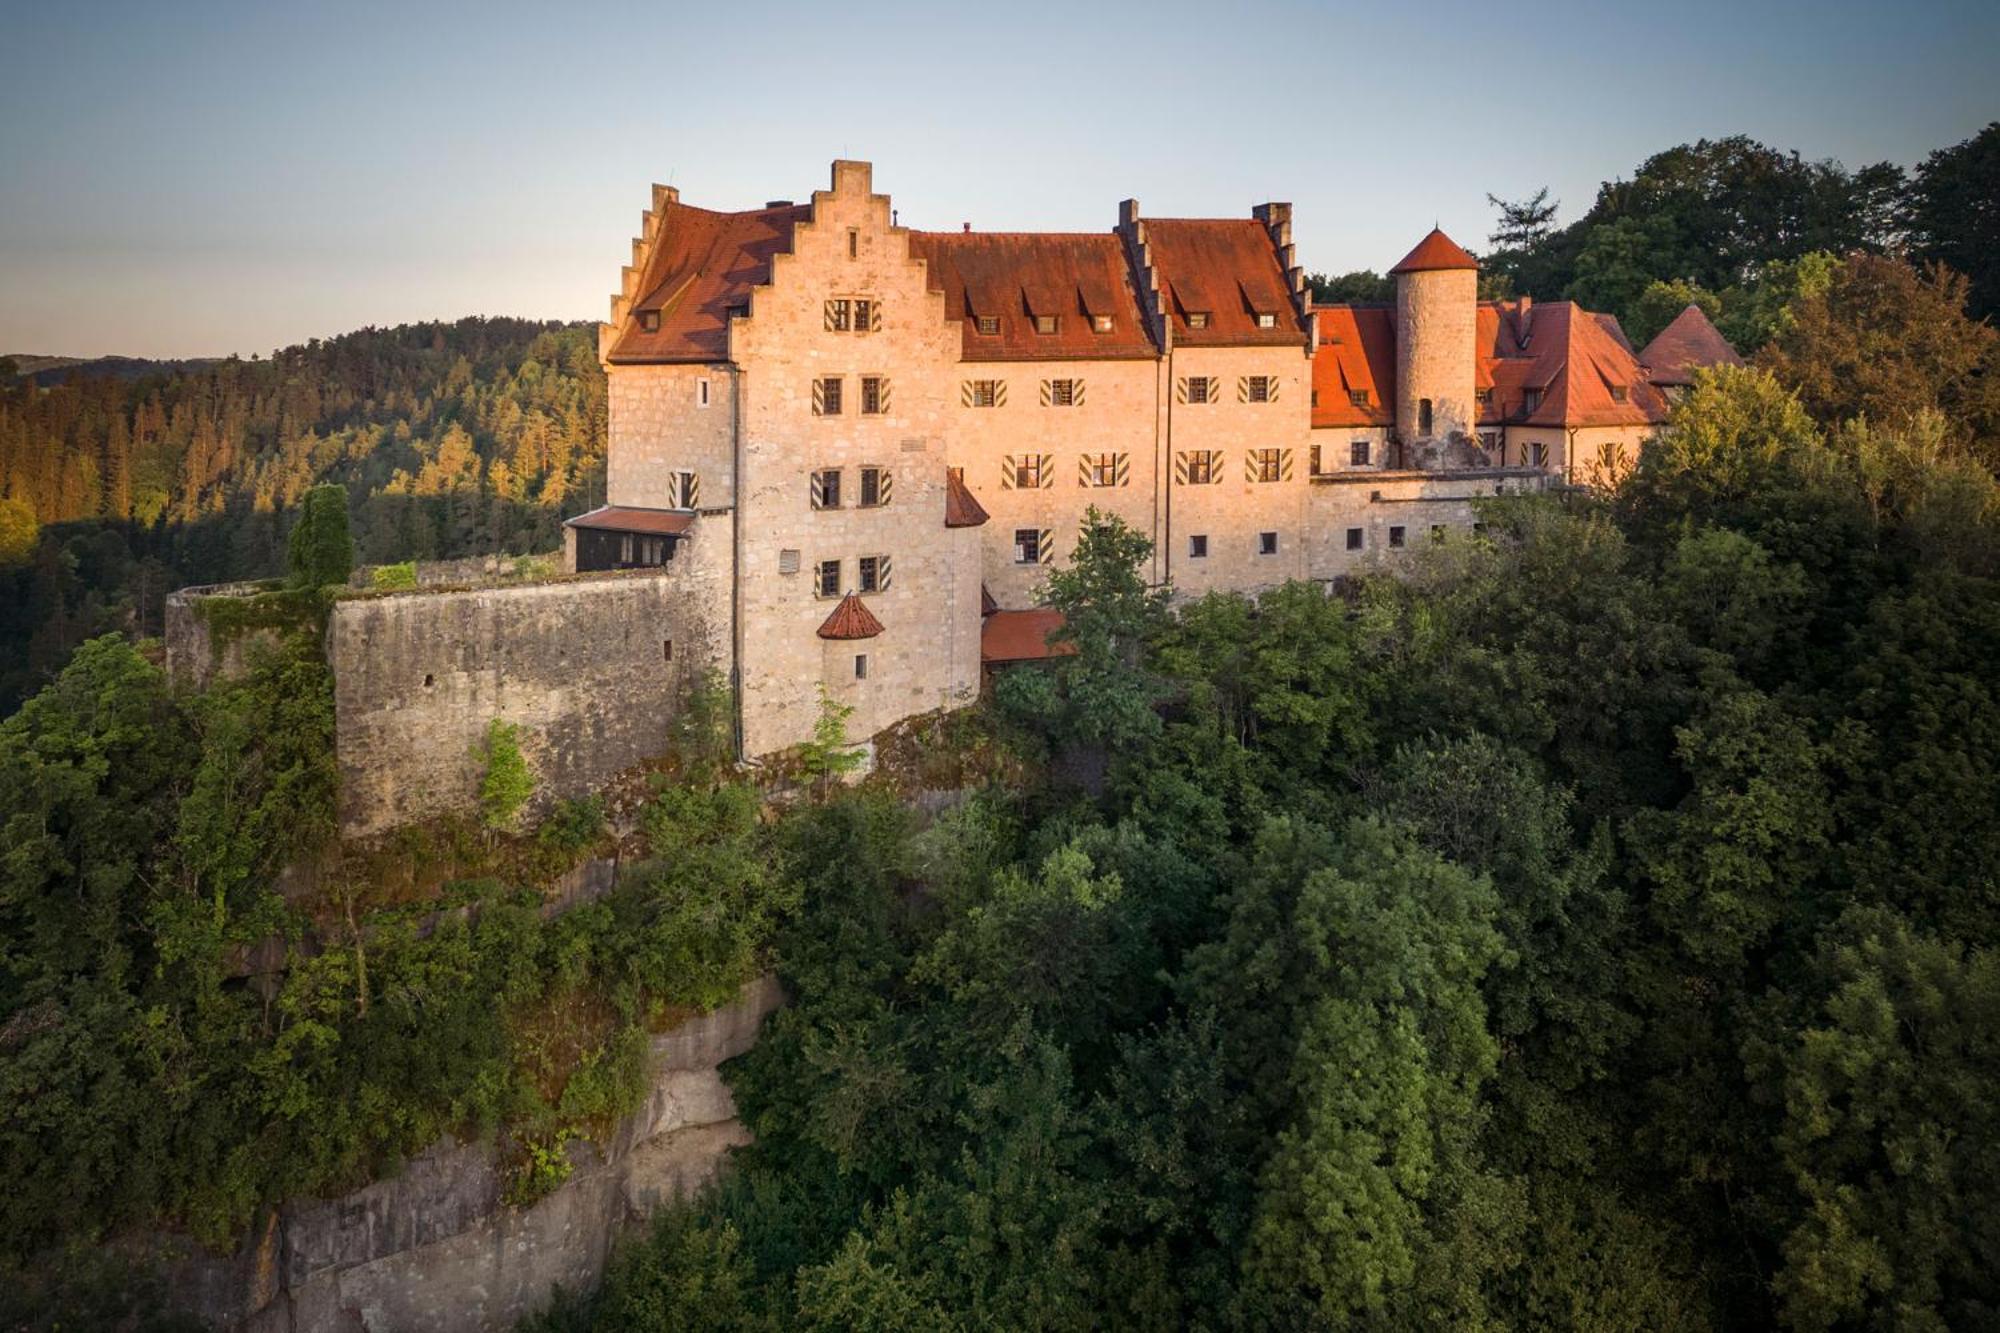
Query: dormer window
(1530, 399)
(1045, 323)
(649, 321)
(1266, 320)
(1100, 323)
(1619, 394)
(1358, 397)
(989, 324)
(1197, 319)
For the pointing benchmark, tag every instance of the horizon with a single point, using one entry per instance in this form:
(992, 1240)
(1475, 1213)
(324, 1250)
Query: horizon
(223, 181)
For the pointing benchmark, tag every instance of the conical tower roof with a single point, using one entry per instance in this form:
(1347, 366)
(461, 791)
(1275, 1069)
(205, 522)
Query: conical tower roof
(851, 620)
(1435, 251)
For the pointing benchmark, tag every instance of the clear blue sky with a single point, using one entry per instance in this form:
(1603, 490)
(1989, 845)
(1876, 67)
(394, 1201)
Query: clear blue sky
(201, 178)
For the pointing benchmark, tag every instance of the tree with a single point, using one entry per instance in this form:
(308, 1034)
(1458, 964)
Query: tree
(1661, 303)
(1524, 224)
(1361, 287)
(1954, 216)
(321, 550)
(829, 756)
(1887, 341)
(19, 531)
(505, 782)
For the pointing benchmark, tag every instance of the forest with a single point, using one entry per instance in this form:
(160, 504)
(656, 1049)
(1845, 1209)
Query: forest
(1593, 925)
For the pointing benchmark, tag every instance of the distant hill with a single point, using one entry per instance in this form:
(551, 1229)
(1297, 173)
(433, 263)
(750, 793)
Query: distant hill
(49, 370)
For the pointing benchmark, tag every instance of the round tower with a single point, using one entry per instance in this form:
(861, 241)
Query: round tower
(1437, 329)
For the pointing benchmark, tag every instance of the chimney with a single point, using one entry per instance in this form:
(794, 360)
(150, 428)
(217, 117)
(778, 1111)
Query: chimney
(968, 227)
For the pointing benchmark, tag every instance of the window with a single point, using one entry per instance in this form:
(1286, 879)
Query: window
(1027, 546)
(981, 393)
(1266, 320)
(828, 582)
(1354, 538)
(1197, 319)
(826, 396)
(1028, 472)
(1479, 529)
(874, 395)
(861, 666)
(1357, 454)
(1530, 399)
(1619, 394)
(839, 316)
(1062, 393)
(1197, 388)
(1100, 323)
(1315, 398)
(1396, 534)
(1437, 532)
(430, 679)
(649, 320)
(1267, 543)
(666, 650)
(1538, 455)
(1267, 464)
(1104, 469)
(1483, 397)
(788, 560)
(1488, 439)
(866, 316)
(1358, 397)
(1423, 416)
(826, 488)
(1257, 388)
(989, 324)
(1198, 546)
(1197, 467)
(853, 242)
(1045, 323)
(683, 490)
(701, 393)
(874, 573)
(874, 487)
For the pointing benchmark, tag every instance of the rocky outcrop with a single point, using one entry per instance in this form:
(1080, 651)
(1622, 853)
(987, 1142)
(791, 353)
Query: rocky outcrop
(436, 1249)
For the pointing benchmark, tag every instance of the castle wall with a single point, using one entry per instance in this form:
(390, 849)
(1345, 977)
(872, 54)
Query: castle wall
(1437, 314)
(1416, 502)
(1118, 415)
(580, 665)
(660, 426)
(927, 656)
(1233, 510)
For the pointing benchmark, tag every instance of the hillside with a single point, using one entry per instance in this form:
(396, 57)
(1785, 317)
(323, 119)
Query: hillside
(451, 439)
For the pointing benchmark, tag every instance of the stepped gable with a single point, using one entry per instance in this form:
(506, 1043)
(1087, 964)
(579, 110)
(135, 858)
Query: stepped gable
(1229, 269)
(1684, 346)
(851, 620)
(1436, 251)
(1016, 276)
(961, 507)
(1576, 361)
(1356, 354)
(689, 269)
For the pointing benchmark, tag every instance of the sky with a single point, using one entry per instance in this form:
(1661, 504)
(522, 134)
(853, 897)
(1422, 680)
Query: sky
(196, 179)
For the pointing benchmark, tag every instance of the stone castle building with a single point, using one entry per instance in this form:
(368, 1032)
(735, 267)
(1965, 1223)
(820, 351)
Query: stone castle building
(869, 444)
(845, 455)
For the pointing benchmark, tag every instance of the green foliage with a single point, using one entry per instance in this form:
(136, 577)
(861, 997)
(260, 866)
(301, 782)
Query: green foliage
(19, 532)
(320, 551)
(403, 575)
(830, 756)
(1361, 287)
(1951, 218)
(505, 781)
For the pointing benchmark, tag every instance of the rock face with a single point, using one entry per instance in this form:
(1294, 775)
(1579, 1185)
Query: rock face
(437, 1250)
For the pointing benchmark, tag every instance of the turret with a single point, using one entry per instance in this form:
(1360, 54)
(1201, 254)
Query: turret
(1437, 326)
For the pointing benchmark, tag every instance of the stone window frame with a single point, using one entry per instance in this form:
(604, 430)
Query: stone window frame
(827, 395)
(983, 393)
(1062, 392)
(1200, 390)
(1359, 452)
(1032, 548)
(878, 385)
(1204, 466)
(1398, 536)
(701, 394)
(1197, 546)
(877, 478)
(1104, 470)
(872, 573)
(1028, 470)
(861, 666)
(1267, 543)
(1357, 539)
(1268, 464)
(821, 570)
(1257, 388)
(824, 487)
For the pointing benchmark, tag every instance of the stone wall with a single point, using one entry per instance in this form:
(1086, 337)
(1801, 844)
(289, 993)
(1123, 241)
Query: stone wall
(197, 656)
(436, 1250)
(581, 665)
(1418, 503)
(1437, 314)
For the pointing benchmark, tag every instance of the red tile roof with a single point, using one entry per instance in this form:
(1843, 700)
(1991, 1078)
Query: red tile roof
(702, 263)
(1021, 636)
(1435, 251)
(1576, 360)
(622, 518)
(850, 620)
(1228, 268)
(1687, 343)
(1016, 276)
(961, 507)
(1357, 353)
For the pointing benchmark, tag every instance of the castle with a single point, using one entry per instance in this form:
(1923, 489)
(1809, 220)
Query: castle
(869, 444)
(845, 455)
